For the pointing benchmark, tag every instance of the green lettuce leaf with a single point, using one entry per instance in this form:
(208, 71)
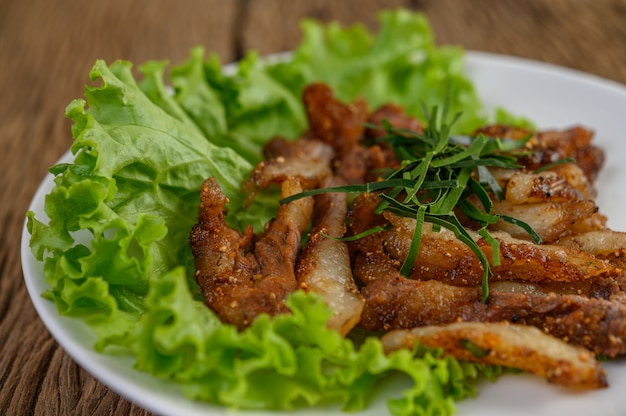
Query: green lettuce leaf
(115, 248)
(401, 65)
(285, 362)
(132, 191)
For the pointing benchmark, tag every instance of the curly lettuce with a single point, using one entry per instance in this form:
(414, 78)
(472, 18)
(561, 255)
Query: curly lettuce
(115, 248)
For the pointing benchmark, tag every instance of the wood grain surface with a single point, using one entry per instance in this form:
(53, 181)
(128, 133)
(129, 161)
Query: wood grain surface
(48, 46)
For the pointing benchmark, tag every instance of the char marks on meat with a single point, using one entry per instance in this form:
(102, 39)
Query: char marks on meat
(551, 146)
(242, 275)
(568, 289)
(240, 278)
(400, 303)
(444, 257)
(343, 126)
(515, 346)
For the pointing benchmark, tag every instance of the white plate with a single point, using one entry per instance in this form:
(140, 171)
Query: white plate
(553, 97)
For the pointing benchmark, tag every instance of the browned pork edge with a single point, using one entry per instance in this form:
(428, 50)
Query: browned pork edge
(399, 303)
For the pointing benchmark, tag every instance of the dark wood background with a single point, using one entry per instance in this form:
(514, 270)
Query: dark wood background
(48, 46)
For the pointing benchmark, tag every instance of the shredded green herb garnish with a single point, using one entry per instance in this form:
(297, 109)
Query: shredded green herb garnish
(553, 164)
(440, 175)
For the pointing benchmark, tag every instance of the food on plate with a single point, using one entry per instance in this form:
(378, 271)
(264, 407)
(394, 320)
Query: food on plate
(400, 303)
(444, 257)
(519, 346)
(568, 294)
(324, 264)
(241, 278)
(552, 145)
(114, 243)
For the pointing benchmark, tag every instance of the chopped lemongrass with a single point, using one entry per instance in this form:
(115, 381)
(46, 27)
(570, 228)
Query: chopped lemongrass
(436, 178)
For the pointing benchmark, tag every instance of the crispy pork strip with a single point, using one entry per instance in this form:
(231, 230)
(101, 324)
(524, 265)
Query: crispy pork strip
(557, 202)
(304, 149)
(442, 256)
(549, 220)
(310, 160)
(529, 188)
(400, 303)
(342, 126)
(546, 201)
(514, 346)
(380, 155)
(605, 244)
(575, 177)
(575, 142)
(396, 116)
(550, 146)
(241, 280)
(324, 265)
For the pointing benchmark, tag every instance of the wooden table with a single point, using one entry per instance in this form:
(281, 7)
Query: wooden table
(48, 46)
